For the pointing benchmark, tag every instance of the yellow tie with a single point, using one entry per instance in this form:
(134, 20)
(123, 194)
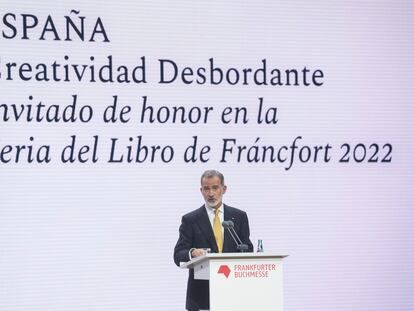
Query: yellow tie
(218, 234)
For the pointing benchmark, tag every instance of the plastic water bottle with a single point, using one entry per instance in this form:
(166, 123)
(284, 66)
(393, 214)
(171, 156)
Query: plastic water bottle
(260, 246)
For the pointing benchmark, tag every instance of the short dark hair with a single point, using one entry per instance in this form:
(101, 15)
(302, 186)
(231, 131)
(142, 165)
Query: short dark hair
(211, 174)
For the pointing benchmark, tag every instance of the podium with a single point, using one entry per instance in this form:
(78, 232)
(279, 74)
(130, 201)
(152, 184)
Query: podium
(241, 281)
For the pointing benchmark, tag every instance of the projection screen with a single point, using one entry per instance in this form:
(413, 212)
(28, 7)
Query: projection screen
(110, 112)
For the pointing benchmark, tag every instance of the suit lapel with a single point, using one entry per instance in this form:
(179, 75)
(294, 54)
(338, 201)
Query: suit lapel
(228, 240)
(204, 223)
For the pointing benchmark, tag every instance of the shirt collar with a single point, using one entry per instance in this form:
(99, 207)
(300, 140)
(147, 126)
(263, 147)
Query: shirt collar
(210, 210)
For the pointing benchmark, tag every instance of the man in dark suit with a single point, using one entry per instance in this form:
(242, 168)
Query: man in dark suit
(201, 229)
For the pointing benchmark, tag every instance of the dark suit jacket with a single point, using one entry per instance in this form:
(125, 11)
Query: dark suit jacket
(196, 232)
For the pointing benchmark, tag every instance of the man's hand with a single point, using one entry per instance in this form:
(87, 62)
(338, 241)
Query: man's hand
(197, 252)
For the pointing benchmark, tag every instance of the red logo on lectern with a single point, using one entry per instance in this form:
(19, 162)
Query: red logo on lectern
(225, 270)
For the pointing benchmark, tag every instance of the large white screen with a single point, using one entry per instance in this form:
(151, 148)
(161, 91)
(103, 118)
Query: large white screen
(100, 235)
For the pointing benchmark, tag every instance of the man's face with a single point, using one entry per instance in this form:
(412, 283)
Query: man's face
(212, 191)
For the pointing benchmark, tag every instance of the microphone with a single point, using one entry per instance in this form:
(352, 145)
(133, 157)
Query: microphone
(229, 225)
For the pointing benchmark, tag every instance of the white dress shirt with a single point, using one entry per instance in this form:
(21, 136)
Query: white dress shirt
(211, 214)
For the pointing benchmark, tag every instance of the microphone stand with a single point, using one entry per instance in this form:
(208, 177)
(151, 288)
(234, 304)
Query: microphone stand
(229, 225)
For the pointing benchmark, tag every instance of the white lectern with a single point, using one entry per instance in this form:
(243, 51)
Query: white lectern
(241, 281)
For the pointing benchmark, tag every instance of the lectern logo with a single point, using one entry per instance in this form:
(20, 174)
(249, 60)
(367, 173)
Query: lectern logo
(224, 269)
